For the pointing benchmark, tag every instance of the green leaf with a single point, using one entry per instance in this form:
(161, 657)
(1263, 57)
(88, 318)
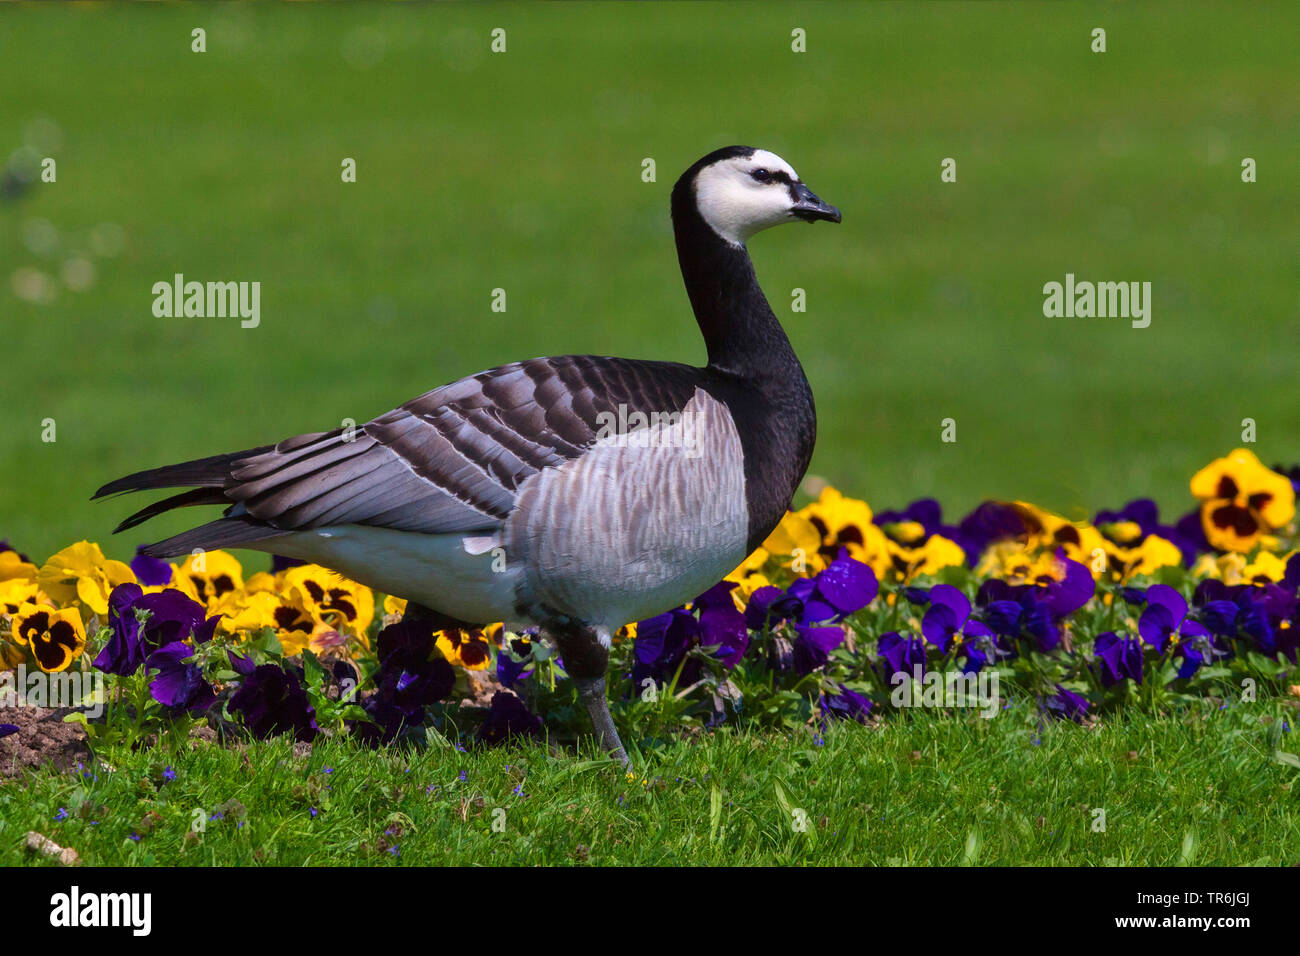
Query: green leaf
(715, 813)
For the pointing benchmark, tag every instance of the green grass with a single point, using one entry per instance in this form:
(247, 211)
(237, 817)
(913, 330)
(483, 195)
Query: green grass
(925, 789)
(522, 171)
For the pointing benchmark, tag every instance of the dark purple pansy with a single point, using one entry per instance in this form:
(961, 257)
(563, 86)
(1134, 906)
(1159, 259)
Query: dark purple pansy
(846, 705)
(901, 655)
(991, 522)
(661, 645)
(411, 677)
(7, 729)
(273, 701)
(1118, 658)
(721, 624)
(169, 616)
(1066, 705)
(508, 717)
(812, 648)
(1244, 610)
(280, 563)
(150, 571)
(178, 684)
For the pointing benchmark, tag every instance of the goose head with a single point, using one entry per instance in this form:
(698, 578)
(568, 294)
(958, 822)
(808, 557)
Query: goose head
(741, 190)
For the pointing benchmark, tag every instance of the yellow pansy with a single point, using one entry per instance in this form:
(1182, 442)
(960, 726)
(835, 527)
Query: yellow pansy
(1241, 500)
(208, 577)
(1149, 556)
(55, 637)
(330, 598)
(931, 556)
(1265, 568)
(17, 591)
(465, 648)
(14, 568)
(394, 606)
(796, 543)
(846, 523)
(80, 572)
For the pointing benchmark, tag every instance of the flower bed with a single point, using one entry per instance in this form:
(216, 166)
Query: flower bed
(842, 614)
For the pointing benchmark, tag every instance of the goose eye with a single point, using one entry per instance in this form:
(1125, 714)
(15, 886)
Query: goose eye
(761, 175)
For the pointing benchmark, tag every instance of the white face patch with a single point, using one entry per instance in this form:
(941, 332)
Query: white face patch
(735, 204)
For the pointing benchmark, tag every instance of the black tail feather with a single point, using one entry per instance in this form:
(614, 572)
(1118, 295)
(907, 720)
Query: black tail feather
(196, 496)
(222, 533)
(210, 472)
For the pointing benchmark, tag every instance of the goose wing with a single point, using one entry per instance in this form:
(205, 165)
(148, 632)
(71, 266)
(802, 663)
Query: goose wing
(451, 460)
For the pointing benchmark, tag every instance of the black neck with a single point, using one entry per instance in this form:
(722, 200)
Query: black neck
(755, 370)
(740, 330)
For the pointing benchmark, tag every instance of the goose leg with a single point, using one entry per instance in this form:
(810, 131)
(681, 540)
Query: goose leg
(585, 659)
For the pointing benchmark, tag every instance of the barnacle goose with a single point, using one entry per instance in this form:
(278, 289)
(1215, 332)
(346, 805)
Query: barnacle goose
(574, 493)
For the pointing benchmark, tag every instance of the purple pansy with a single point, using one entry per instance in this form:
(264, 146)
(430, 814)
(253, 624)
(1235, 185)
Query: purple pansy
(949, 622)
(1118, 657)
(1066, 705)
(846, 705)
(169, 616)
(507, 717)
(901, 655)
(150, 571)
(273, 701)
(178, 683)
(1166, 621)
(411, 677)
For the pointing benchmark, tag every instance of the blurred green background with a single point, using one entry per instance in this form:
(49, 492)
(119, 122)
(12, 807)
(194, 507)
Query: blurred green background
(522, 170)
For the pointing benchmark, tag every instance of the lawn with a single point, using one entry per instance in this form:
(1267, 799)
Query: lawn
(933, 789)
(522, 170)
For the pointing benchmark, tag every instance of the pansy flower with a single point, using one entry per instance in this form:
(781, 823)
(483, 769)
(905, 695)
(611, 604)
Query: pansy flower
(469, 649)
(948, 624)
(901, 655)
(508, 716)
(143, 623)
(844, 523)
(80, 572)
(1241, 501)
(18, 591)
(846, 705)
(273, 701)
(15, 567)
(1165, 624)
(55, 637)
(177, 681)
(989, 523)
(917, 541)
(843, 588)
(1244, 611)
(209, 577)
(150, 571)
(412, 676)
(1118, 658)
(330, 598)
(1065, 704)
(1136, 543)
(515, 658)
